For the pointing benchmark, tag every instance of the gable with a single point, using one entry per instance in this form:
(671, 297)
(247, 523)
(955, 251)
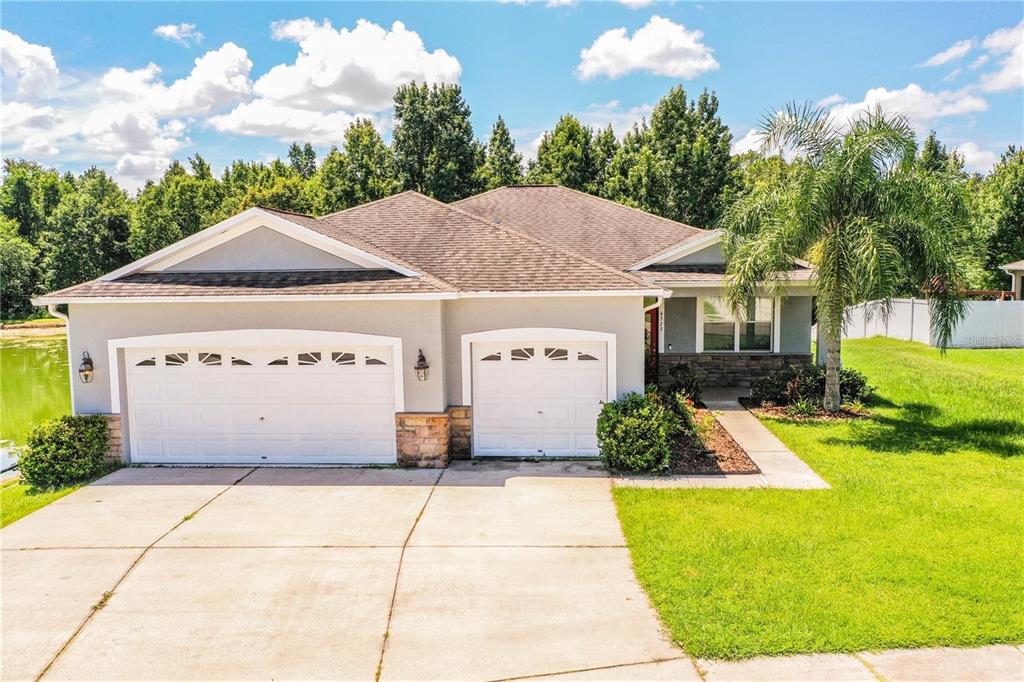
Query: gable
(262, 249)
(711, 254)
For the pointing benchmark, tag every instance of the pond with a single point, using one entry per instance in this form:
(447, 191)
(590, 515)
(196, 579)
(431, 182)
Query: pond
(33, 386)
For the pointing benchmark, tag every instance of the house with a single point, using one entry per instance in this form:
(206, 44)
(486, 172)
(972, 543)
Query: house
(1016, 272)
(406, 329)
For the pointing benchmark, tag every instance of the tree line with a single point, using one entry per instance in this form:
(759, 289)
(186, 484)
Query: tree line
(60, 229)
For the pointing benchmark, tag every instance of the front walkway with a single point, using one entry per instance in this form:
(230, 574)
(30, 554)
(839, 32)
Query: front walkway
(780, 467)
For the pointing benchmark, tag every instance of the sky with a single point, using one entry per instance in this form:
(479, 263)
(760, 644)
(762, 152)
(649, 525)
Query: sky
(130, 86)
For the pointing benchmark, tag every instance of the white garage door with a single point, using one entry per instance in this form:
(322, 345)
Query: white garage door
(538, 399)
(268, 405)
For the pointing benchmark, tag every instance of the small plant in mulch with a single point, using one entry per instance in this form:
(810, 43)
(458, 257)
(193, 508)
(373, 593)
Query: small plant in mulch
(797, 394)
(704, 446)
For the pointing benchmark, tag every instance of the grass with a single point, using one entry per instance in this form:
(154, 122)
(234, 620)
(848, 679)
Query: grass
(918, 543)
(17, 500)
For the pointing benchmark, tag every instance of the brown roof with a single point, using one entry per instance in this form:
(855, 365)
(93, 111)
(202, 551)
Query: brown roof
(468, 252)
(607, 232)
(291, 283)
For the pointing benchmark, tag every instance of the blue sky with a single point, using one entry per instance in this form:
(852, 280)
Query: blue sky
(91, 83)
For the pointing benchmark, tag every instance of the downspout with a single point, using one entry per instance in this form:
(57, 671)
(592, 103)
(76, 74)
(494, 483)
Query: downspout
(52, 309)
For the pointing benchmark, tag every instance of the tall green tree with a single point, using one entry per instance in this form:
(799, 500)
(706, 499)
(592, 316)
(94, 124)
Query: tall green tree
(861, 212)
(177, 206)
(999, 210)
(503, 165)
(88, 232)
(362, 171)
(17, 268)
(605, 147)
(565, 156)
(434, 148)
(302, 159)
(694, 145)
(28, 195)
(636, 176)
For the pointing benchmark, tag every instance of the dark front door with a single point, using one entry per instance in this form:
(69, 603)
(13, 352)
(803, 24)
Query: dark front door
(651, 347)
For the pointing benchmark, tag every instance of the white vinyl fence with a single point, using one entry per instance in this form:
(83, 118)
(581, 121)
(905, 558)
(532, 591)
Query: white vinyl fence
(989, 324)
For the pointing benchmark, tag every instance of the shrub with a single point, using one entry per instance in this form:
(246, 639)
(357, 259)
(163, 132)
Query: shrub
(802, 408)
(635, 433)
(64, 450)
(682, 379)
(795, 384)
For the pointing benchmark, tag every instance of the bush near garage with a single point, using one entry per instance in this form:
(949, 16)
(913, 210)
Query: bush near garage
(64, 450)
(635, 433)
(807, 384)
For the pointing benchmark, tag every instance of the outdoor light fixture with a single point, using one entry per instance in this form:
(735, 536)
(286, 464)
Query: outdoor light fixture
(422, 368)
(85, 370)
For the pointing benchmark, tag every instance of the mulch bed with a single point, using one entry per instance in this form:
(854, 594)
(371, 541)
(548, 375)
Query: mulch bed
(717, 454)
(779, 412)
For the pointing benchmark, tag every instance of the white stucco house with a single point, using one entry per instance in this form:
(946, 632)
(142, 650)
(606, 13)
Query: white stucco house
(407, 330)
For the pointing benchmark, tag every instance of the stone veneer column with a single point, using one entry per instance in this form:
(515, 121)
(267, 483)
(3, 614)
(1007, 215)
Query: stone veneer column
(423, 439)
(461, 431)
(115, 442)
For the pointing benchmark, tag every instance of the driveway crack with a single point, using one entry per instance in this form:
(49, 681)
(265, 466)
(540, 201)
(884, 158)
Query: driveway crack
(398, 575)
(109, 593)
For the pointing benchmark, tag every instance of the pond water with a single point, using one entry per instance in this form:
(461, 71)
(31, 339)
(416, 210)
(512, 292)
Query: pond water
(33, 386)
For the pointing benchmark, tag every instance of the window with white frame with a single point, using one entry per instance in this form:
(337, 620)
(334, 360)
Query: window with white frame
(724, 331)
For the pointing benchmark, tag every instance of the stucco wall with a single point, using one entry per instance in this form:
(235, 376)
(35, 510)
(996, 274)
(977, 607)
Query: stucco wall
(263, 249)
(417, 323)
(622, 316)
(796, 324)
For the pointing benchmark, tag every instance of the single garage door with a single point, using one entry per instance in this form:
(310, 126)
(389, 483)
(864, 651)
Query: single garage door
(267, 405)
(538, 399)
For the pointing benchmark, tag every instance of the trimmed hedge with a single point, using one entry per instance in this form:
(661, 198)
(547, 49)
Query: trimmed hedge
(635, 433)
(802, 384)
(64, 450)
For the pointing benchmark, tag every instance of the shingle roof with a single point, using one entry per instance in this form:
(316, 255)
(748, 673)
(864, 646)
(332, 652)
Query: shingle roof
(713, 273)
(468, 252)
(291, 283)
(607, 232)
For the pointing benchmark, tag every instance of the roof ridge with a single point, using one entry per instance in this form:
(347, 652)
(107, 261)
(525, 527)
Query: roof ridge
(281, 210)
(633, 208)
(401, 261)
(621, 273)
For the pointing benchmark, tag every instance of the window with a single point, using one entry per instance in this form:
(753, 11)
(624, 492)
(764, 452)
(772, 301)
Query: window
(493, 357)
(723, 331)
(175, 359)
(343, 358)
(210, 359)
(519, 354)
(280, 362)
(371, 360)
(585, 357)
(556, 353)
(148, 362)
(240, 362)
(306, 359)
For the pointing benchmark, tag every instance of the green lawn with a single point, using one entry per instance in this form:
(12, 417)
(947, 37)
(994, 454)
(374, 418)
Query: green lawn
(919, 542)
(16, 501)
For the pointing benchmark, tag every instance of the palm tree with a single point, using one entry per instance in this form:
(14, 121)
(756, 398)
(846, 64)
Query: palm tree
(859, 209)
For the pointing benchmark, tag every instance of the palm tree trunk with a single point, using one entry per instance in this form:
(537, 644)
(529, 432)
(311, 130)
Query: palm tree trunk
(832, 364)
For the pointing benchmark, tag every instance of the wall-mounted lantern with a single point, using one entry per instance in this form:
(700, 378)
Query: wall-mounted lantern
(85, 370)
(422, 368)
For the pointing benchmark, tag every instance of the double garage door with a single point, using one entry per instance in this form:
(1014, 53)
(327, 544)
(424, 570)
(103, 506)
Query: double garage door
(310, 405)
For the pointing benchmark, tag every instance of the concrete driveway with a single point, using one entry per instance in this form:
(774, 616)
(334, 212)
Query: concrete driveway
(483, 571)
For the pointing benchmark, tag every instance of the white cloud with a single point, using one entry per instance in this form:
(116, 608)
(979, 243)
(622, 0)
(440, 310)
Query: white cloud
(31, 68)
(980, 60)
(38, 145)
(1008, 43)
(834, 98)
(751, 142)
(561, 3)
(612, 113)
(183, 34)
(218, 78)
(917, 104)
(271, 119)
(952, 75)
(660, 46)
(636, 4)
(955, 51)
(976, 158)
(18, 116)
(355, 69)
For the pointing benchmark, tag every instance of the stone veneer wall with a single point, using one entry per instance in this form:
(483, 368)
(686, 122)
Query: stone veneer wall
(461, 431)
(731, 369)
(115, 441)
(423, 439)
